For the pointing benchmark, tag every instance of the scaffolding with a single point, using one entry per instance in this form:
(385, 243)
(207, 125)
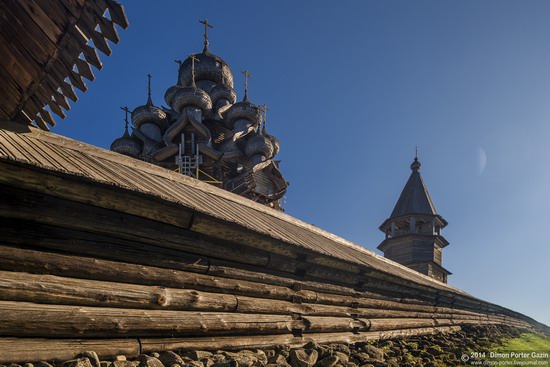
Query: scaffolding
(189, 164)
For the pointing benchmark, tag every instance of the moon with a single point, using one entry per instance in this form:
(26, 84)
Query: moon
(481, 160)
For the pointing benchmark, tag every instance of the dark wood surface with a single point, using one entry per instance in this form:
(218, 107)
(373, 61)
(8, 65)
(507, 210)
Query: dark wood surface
(40, 42)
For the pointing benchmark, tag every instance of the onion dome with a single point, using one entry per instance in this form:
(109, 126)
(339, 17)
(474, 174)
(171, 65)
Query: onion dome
(276, 144)
(259, 145)
(222, 95)
(274, 141)
(415, 165)
(179, 97)
(148, 113)
(208, 67)
(243, 110)
(126, 144)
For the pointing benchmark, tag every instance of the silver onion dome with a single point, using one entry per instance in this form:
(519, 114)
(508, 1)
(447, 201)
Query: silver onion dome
(243, 111)
(148, 114)
(178, 97)
(126, 145)
(259, 145)
(276, 144)
(222, 95)
(208, 67)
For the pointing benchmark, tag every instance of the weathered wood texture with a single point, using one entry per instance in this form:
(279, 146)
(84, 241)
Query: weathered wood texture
(227, 343)
(51, 289)
(21, 350)
(95, 246)
(40, 44)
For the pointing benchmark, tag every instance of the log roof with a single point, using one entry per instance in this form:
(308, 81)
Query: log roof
(47, 49)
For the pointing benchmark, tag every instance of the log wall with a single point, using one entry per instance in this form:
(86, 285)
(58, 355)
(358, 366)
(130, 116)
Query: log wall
(86, 265)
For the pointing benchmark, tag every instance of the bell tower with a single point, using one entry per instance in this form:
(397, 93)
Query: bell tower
(413, 230)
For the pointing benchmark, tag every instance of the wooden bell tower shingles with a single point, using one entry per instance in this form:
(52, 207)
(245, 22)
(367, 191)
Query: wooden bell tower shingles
(413, 230)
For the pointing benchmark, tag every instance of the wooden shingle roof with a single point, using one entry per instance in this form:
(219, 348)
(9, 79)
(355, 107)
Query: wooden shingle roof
(414, 198)
(47, 49)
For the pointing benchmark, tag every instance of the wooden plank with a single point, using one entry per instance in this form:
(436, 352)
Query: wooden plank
(75, 321)
(43, 21)
(117, 13)
(23, 350)
(13, 62)
(26, 35)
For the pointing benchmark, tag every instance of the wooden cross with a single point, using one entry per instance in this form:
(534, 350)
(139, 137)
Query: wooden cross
(125, 109)
(149, 85)
(193, 59)
(246, 76)
(264, 109)
(206, 26)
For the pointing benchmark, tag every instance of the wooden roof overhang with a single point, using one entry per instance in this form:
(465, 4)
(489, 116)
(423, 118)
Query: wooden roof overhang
(47, 49)
(426, 218)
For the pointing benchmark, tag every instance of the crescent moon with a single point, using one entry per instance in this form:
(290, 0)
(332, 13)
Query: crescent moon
(481, 160)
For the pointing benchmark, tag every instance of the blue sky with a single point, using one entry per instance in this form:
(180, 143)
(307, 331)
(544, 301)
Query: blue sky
(353, 87)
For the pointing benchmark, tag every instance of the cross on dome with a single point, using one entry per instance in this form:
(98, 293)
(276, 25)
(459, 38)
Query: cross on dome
(246, 76)
(206, 26)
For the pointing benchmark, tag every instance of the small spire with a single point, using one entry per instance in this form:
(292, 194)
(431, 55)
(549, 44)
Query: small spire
(415, 166)
(193, 59)
(127, 111)
(149, 99)
(246, 76)
(206, 26)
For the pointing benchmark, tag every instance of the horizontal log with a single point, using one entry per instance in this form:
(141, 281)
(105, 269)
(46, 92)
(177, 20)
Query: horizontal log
(50, 289)
(252, 297)
(55, 238)
(46, 209)
(314, 271)
(96, 246)
(315, 324)
(266, 341)
(23, 350)
(109, 197)
(343, 266)
(15, 259)
(100, 322)
(396, 323)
